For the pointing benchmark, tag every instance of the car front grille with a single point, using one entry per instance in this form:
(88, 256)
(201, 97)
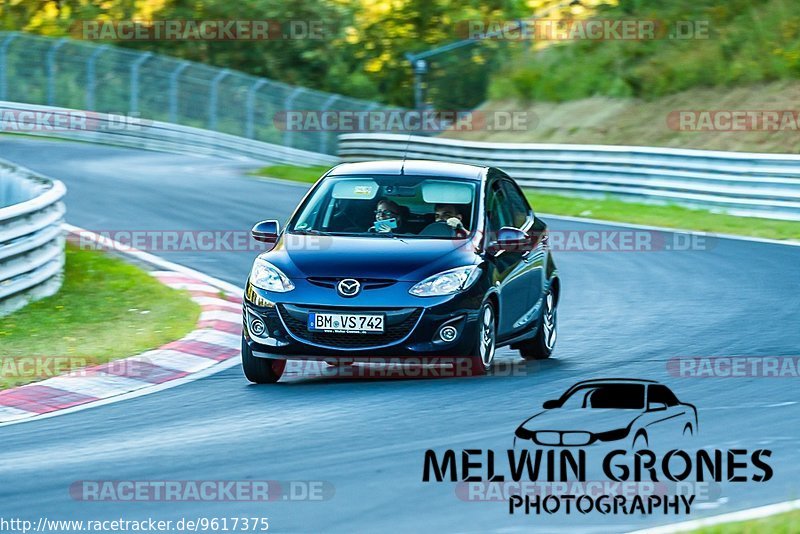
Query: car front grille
(569, 438)
(398, 325)
(366, 283)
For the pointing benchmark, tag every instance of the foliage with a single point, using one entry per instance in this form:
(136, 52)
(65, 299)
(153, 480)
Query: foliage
(748, 41)
(361, 52)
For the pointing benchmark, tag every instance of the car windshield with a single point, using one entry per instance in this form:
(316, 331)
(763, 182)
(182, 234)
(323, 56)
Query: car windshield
(604, 396)
(387, 206)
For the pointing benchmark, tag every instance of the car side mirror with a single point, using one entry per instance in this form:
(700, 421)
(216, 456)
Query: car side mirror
(509, 238)
(266, 231)
(549, 405)
(656, 406)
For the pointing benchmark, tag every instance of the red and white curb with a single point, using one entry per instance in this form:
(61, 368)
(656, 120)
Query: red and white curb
(212, 347)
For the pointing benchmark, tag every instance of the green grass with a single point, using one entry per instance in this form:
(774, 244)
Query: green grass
(106, 309)
(669, 216)
(290, 172)
(787, 523)
(611, 209)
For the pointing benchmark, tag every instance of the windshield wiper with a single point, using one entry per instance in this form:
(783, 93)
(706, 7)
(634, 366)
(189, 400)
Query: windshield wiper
(308, 231)
(399, 237)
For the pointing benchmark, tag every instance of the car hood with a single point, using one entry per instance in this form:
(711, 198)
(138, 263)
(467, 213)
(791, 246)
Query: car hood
(368, 257)
(581, 419)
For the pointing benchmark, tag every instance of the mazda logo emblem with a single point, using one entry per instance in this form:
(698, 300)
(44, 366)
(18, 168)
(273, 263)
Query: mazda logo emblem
(349, 287)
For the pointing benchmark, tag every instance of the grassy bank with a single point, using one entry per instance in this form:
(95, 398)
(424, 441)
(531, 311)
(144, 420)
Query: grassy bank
(106, 309)
(611, 209)
(777, 524)
(631, 121)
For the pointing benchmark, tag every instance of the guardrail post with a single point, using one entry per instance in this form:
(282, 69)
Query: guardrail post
(288, 134)
(4, 64)
(213, 97)
(173, 90)
(250, 108)
(134, 89)
(51, 71)
(323, 141)
(91, 77)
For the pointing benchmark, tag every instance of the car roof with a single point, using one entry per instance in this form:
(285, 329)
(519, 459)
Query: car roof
(413, 167)
(615, 381)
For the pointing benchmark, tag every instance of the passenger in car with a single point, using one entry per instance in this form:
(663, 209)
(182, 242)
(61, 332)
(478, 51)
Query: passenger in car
(388, 217)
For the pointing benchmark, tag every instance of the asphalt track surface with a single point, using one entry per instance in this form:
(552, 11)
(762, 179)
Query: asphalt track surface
(622, 314)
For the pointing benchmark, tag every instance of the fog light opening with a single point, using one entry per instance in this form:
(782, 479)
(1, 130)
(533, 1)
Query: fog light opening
(448, 333)
(257, 327)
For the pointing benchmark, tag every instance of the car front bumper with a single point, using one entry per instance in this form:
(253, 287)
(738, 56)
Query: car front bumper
(411, 329)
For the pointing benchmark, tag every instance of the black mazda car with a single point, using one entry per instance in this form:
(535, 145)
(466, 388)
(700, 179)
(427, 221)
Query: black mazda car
(412, 260)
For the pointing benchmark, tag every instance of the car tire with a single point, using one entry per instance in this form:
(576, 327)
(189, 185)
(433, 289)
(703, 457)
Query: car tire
(541, 346)
(260, 370)
(482, 356)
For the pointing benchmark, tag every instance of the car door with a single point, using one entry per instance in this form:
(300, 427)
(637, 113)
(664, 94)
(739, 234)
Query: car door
(534, 259)
(668, 420)
(510, 267)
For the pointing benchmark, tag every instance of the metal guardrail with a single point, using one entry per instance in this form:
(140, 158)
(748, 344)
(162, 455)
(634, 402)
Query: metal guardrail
(140, 133)
(31, 238)
(747, 184)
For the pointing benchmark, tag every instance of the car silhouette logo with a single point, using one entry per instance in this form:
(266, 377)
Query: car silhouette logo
(611, 409)
(348, 287)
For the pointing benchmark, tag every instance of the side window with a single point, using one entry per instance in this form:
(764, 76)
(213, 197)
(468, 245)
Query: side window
(497, 208)
(517, 205)
(660, 393)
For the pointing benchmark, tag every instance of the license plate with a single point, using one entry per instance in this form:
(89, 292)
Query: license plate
(345, 323)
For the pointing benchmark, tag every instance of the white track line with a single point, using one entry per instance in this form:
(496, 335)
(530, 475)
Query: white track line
(733, 517)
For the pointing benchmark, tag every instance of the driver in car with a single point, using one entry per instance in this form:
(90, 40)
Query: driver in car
(387, 217)
(447, 222)
(448, 213)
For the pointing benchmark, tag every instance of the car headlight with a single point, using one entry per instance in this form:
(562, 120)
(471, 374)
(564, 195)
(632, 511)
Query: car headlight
(264, 275)
(447, 282)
